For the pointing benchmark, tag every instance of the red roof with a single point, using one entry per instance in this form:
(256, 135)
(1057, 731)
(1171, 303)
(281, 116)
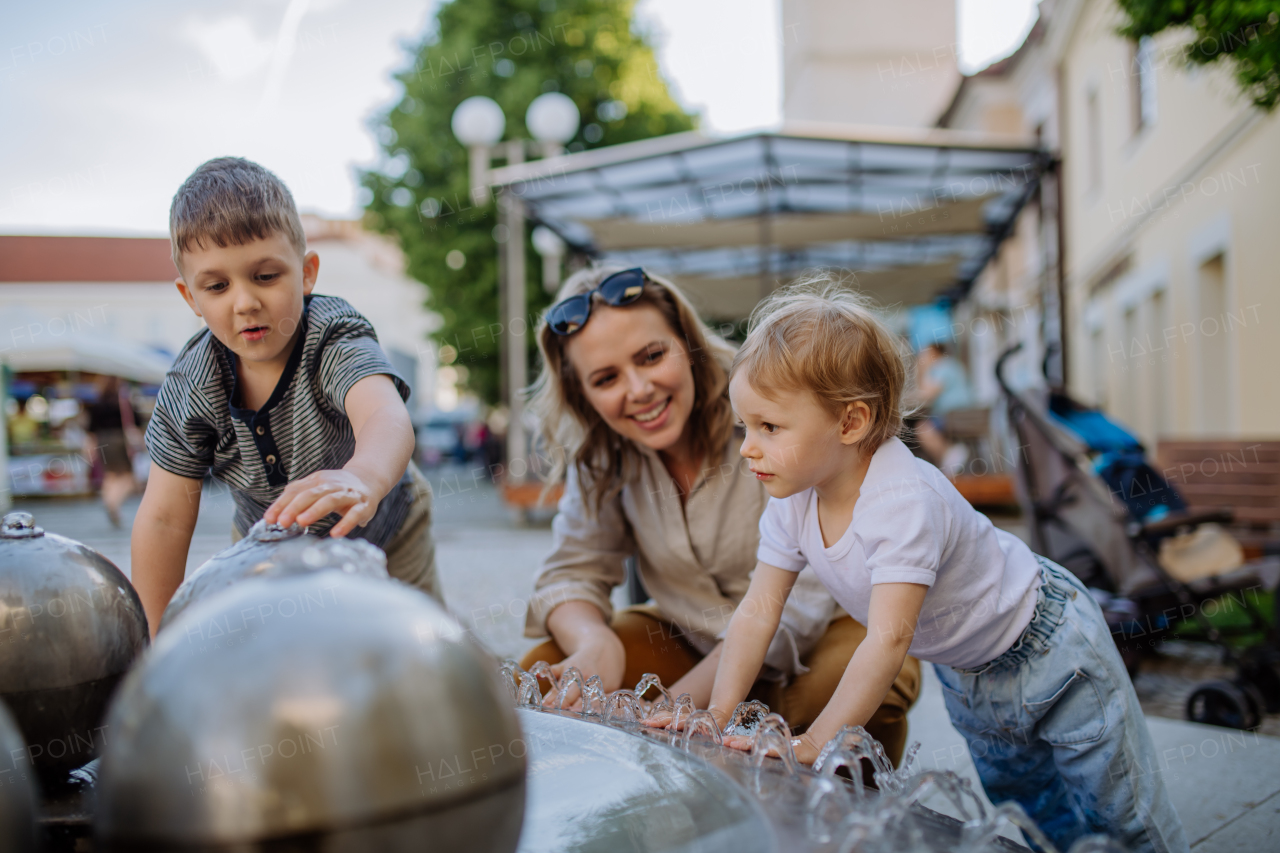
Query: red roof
(85, 259)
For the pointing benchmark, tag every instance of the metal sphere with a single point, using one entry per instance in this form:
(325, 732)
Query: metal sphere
(70, 626)
(346, 712)
(270, 550)
(17, 790)
(478, 121)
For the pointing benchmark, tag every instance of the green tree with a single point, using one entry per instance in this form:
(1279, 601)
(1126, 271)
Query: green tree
(511, 51)
(1245, 33)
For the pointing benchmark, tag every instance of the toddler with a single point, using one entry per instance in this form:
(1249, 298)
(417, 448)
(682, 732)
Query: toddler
(1029, 672)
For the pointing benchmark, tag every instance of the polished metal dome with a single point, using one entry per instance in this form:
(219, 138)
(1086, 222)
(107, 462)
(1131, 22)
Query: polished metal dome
(70, 626)
(17, 790)
(270, 550)
(345, 711)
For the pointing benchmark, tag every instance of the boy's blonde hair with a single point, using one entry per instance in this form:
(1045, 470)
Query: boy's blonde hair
(819, 335)
(232, 201)
(605, 460)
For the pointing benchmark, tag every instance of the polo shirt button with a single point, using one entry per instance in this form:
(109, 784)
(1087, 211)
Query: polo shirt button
(271, 460)
(259, 430)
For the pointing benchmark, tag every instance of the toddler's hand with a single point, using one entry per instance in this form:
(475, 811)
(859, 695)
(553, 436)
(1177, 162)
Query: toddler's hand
(805, 749)
(310, 499)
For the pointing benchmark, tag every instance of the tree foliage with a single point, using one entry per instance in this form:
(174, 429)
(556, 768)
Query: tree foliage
(511, 51)
(1245, 33)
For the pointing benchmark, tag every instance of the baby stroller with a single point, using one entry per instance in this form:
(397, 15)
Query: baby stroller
(1095, 506)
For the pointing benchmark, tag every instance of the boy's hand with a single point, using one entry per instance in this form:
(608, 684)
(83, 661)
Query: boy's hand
(310, 499)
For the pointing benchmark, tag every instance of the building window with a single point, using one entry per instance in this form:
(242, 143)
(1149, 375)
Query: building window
(1215, 385)
(1142, 84)
(1101, 368)
(1093, 127)
(1158, 342)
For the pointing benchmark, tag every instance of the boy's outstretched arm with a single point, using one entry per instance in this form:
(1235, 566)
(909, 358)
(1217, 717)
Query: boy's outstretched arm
(161, 538)
(384, 446)
(891, 625)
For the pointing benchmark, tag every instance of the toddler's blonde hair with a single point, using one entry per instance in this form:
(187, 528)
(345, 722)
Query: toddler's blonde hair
(819, 335)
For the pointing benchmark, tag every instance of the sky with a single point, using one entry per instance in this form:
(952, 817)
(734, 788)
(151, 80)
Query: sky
(107, 106)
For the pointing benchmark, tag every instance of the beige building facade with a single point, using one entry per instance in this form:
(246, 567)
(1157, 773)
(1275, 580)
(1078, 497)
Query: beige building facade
(1170, 270)
(1171, 208)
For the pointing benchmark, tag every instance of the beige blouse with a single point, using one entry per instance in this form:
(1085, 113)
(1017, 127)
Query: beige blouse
(695, 560)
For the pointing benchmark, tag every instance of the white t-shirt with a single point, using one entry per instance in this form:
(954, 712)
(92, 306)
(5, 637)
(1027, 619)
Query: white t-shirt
(910, 525)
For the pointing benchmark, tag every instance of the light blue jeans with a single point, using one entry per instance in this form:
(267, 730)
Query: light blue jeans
(1054, 725)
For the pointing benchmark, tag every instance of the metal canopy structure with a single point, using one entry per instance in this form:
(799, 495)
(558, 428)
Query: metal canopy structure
(915, 215)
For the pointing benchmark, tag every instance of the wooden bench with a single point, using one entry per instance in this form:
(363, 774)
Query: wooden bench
(1240, 475)
(528, 500)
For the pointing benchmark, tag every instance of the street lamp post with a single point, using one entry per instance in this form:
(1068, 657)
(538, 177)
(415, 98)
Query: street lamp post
(478, 123)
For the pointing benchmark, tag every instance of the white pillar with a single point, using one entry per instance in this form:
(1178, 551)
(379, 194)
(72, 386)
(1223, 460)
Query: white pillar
(517, 324)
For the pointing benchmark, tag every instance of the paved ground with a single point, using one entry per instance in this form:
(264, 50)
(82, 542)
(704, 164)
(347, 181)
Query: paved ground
(1225, 784)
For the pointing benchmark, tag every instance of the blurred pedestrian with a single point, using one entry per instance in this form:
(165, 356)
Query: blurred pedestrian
(942, 387)
(112, 422)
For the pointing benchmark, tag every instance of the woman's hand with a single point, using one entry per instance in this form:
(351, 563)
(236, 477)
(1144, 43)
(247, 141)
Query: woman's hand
(601, 653)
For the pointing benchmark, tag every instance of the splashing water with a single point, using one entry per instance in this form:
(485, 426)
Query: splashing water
(594, 700)
(895, 781)
(684, 707)
(542, 670)
(701, 721)
(773, 735)
(621, 706)
(955, 789)
(838, 813)
(511, 672)
(658, 708)
(647, 682)
(979, 834)
(529, 696)
(569, 678)
(746, 718)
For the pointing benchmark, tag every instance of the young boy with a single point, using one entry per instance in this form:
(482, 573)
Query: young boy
(285, 397)
(1029, 671)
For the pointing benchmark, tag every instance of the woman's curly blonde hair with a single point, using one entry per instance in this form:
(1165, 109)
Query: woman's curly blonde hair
(574, 431)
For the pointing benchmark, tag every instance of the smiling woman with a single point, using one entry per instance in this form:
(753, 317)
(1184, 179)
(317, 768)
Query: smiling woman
(634, 391)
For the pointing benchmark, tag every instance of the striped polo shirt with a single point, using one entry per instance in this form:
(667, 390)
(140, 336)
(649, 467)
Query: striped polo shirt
(198, 428)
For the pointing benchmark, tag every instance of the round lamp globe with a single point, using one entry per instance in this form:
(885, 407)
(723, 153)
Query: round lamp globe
(552, 117)
(478, 121)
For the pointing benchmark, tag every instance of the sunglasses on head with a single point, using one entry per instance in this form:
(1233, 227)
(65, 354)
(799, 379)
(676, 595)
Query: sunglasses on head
(622, 288)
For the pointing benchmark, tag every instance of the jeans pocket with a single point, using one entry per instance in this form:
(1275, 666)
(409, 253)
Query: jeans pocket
(1073, 714)
(962, 715)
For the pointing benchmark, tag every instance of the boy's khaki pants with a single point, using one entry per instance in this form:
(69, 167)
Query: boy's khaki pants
(411, 553)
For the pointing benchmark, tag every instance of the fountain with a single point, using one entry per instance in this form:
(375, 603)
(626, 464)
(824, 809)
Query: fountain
(70, 626)
(600, 779)
(269, 550)
(17, 793)
(321, 711)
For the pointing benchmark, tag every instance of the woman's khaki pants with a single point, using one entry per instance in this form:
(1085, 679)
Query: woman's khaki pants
(653, 645)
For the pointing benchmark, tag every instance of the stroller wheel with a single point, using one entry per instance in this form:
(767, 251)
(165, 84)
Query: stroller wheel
(1255, 698)
(1261, 668)
(1221, 703)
